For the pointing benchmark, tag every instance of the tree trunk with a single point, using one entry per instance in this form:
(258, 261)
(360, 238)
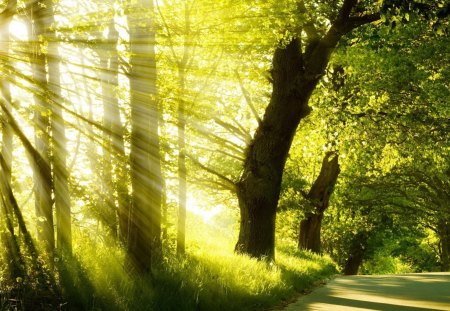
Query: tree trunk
(114, 153)
(42, 177)
(319, 198)
(295, 75)
(146, 181)
(309, 233)
(356, 253)
(182, 185)
(58, 130)
(444, 243)
(258, 189)
(7, 232)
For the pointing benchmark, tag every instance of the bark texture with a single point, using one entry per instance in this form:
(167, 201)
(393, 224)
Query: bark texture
(356, 253)
(319, 198)
(295, 75)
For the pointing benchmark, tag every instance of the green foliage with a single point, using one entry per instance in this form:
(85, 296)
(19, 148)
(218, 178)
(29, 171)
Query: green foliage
(383, 263)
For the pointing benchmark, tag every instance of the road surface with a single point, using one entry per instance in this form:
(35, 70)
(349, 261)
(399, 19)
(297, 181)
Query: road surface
(406, 292)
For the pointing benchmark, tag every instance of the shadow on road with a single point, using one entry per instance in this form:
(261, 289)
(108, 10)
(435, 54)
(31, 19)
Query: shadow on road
(408, 292)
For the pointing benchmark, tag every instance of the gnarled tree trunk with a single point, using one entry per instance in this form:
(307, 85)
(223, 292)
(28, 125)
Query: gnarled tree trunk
(319, 198)
(295, 75)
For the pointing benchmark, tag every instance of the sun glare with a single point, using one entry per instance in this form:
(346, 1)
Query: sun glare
(18, 30)
(207, 215)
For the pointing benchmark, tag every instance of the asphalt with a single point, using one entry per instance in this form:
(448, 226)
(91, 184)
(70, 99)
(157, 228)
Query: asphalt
(405, 292)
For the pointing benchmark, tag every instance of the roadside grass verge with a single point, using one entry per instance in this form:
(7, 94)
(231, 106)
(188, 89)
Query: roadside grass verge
(210, 277)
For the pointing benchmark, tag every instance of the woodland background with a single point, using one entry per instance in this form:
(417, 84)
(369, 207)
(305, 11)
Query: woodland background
(218, 155)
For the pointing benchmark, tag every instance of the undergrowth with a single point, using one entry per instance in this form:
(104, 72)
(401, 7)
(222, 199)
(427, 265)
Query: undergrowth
(210, 277)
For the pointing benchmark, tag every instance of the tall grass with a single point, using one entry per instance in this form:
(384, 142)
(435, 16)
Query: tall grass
(210, 277)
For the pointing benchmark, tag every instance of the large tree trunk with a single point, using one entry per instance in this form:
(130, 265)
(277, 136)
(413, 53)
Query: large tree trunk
(146, 181)
(319, 198)
(259, 186)
(295, 75)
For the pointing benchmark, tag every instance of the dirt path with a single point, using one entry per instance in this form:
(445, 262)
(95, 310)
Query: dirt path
(406, 292)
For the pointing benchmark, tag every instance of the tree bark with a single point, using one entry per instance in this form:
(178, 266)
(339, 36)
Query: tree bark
(356, 253)
(295, 75)
(146, 181)
(319, 198)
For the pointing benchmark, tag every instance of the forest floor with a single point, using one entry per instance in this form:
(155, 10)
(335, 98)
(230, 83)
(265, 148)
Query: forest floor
(406, 292)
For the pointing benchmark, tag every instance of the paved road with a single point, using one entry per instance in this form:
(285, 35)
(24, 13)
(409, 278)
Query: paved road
(406, 292)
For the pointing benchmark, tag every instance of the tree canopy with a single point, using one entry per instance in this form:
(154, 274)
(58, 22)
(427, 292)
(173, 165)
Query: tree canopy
(183, 148)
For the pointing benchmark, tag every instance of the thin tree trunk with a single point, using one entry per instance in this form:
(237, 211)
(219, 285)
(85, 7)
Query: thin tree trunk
(117, 138)
(113, 133)
(182, 184)
(42, 179)
(295, 75)
(146, 181)
(444, 241)
(58, 130)
(181, 125)
(319, 198)
(8, 236)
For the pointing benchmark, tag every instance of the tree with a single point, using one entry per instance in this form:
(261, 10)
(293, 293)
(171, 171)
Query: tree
(42, 112)
(7, 232)
(146, 181)
(114, 158)
(319, 198)
(298, 66)
(58, 132)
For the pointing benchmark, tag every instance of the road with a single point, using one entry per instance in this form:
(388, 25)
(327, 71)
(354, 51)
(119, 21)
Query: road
(406, 292)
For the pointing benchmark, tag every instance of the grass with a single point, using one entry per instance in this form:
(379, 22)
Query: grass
(210, 277)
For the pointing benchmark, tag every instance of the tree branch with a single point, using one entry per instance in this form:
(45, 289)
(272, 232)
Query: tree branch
(229, 184)
(247, 98)
(356, 21)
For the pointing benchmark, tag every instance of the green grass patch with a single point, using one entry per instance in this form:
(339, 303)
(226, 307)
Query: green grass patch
(210, 277)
